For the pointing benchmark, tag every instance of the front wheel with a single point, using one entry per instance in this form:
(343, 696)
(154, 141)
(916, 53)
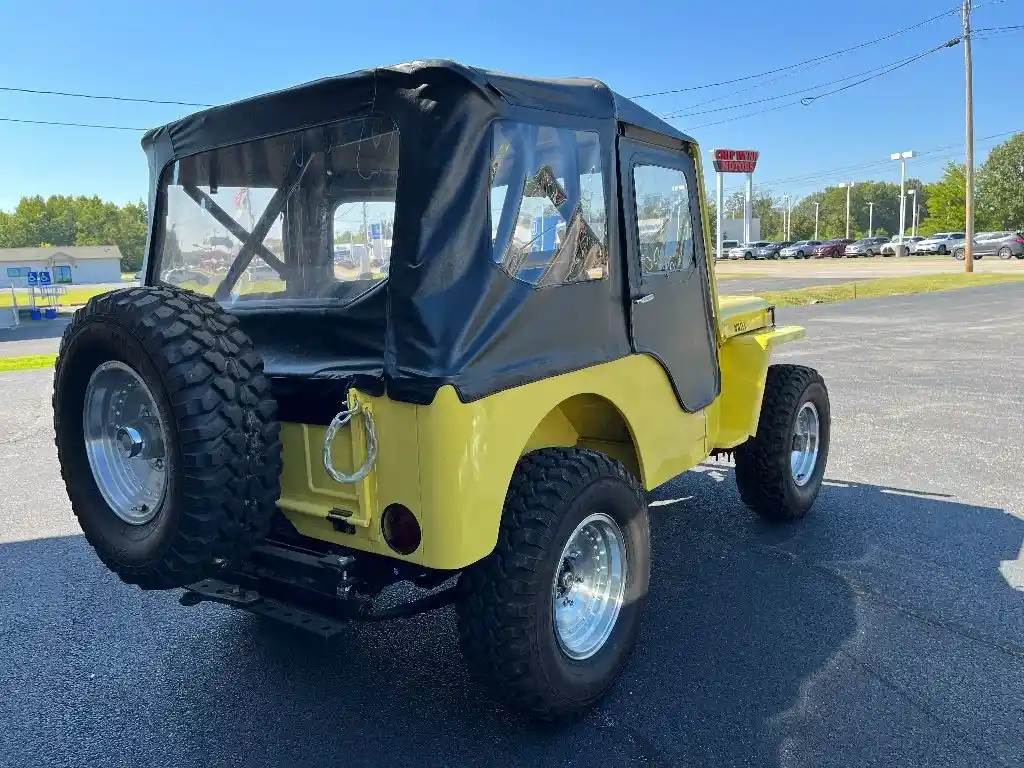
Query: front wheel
(942, 250)
(548, 619)
(779, 470)
(869, 254)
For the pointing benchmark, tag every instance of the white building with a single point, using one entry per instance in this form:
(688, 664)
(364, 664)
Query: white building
(62, 265)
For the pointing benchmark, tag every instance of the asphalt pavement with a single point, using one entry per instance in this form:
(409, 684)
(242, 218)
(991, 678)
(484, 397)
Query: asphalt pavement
(886, 629)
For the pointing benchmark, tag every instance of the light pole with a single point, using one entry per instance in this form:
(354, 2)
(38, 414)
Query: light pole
(816, 206)
(849, 186)
(902, 157)
(913, 216)
(871, 219)
(785, 217)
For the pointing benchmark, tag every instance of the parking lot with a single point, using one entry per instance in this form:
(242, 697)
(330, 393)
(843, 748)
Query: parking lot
(886, 629)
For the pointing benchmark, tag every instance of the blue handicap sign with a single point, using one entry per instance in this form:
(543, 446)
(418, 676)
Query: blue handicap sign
(33, 278)
(44, 278)
(375, 232)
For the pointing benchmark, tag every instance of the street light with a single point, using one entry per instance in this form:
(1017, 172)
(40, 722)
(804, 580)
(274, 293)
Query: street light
(849, 186)
(816, 206)
(913, 217)
(902, 157)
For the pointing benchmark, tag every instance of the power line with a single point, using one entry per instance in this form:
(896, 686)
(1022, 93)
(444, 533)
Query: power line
(808, 100)
(816, 59)
(70, 125)
(685, 111)
(37, 92)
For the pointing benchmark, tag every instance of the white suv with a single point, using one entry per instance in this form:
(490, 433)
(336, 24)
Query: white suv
(940, 243)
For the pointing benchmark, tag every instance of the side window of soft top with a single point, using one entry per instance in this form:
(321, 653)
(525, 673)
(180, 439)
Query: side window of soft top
(664, 221)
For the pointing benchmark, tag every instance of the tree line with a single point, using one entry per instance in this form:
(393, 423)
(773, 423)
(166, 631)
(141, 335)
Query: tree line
(77, 220)
(942, 205)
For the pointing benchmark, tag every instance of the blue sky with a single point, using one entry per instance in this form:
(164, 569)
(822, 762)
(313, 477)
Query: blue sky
(213, 52)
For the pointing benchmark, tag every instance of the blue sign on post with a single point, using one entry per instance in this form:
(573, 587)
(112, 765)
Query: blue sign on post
(33, 278)
(39, 278)
(375, 232)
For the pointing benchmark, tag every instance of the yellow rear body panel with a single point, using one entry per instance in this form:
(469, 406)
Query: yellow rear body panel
(451, 462)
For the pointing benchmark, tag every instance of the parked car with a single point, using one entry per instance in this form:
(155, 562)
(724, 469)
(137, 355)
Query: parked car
(801, 249)
(892, 247)
(772, 250)
(866, 246)
(727, 245)
(940, 243)
(1005, 245)
(345, 257)
(747, 250)
(831, 248)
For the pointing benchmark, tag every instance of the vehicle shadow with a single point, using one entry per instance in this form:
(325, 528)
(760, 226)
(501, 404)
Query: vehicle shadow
(885, 627)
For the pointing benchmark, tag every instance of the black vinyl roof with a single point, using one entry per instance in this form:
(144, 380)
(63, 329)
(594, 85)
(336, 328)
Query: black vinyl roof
(576, 96)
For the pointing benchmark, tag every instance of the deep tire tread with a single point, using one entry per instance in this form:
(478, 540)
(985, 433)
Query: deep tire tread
(497, 607)
(762, 479)
(229, 438)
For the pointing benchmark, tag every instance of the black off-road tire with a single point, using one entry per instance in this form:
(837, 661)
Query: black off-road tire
(763, 470)
(505, 607)
(223, 448)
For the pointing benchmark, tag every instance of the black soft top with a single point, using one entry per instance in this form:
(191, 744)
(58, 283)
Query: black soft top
(333, 98)
(450, 315)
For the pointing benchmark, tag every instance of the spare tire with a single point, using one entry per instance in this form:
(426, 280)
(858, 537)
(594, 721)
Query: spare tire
(166, 434)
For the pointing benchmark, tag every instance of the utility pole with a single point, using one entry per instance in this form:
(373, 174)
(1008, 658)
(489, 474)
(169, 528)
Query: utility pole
(871, 219)
(816, 207)
(789, 221)
(365, 262)
(968, 65)
(785, 217)
(849, 186)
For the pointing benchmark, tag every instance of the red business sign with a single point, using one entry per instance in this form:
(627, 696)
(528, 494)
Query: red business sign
(735, 160)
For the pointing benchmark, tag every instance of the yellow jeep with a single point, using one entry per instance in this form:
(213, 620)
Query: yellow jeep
(465, 322)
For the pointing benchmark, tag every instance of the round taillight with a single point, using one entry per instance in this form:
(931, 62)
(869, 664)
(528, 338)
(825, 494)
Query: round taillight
(401, 529)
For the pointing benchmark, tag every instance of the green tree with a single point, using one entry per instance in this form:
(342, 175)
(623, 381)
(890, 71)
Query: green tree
(1000, 192)
(947, 202)
(766, 207)
(64, 220)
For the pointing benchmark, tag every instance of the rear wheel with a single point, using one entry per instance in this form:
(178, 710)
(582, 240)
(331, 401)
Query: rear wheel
(548, 619)
(166, 435)
(959, 254)
(1005, 253)
(779, 470)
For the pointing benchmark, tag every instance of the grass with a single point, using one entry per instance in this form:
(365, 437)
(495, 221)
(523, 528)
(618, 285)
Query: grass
(885, 286)
(26, 362)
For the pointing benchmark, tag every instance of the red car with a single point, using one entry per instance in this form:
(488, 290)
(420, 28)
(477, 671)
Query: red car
(832, 248)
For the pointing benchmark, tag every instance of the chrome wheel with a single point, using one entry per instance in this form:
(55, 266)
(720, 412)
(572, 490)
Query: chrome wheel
(589, 585)
(806, 438)
(125, 441)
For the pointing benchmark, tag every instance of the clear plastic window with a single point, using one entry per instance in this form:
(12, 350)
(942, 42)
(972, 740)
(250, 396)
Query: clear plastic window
(664, 222)
(548, 213)
(266, 220)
